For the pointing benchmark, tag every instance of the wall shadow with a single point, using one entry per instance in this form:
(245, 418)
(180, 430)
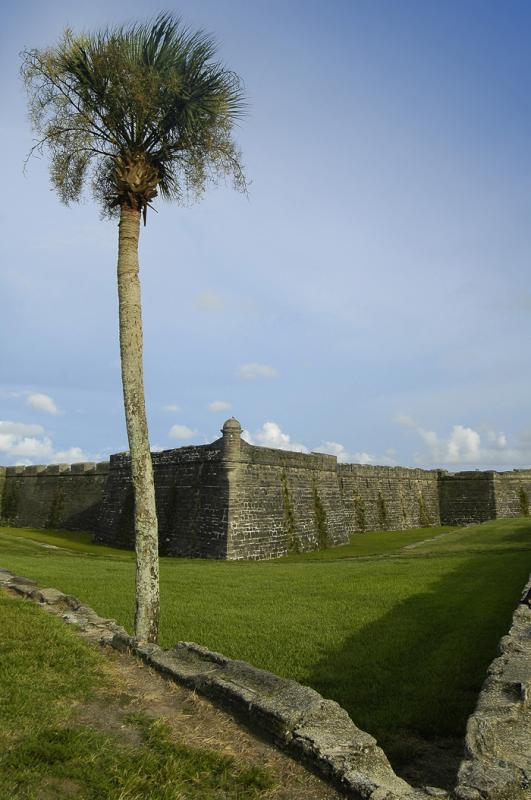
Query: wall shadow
(412, 678)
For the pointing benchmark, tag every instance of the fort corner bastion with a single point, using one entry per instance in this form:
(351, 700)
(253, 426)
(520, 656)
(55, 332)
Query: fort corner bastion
(233, 500)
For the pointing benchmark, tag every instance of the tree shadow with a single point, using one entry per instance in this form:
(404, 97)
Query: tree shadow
(412, 678)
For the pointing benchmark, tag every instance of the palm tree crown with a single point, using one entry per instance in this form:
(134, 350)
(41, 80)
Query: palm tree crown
(141, 110)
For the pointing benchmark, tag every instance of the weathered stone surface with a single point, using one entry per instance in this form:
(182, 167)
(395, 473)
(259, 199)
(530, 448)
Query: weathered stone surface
(122, 641)
(349, 756)
(498, 738)
(285, 708)
(23, 586)
(187, 667)
(49, 596)
(19, 580)
(5, 577)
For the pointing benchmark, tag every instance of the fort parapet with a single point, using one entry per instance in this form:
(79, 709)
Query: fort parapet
(233, 500)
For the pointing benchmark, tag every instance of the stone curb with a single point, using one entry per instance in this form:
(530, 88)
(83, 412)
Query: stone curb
(497, 761)
(312, 729)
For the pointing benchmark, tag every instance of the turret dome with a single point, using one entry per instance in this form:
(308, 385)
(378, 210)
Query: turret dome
(231, 426)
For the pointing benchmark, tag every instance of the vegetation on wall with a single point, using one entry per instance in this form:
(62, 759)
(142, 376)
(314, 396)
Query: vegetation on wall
(403, 508)
(10, 502)
(57, 508)
(320, 518)
(359, 512)
(424, 517)
(524, 501)
(289, 517)
(382, 511)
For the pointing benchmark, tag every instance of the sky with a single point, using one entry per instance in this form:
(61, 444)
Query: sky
(370, 297)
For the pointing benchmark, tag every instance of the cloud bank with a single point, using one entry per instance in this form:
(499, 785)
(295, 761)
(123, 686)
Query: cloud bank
(26, 443)
(465, 446)
(271, 435)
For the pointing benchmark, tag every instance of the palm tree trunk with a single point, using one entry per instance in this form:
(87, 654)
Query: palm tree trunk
(146, 534)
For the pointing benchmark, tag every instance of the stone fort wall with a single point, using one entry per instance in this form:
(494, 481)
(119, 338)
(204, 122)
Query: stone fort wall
(232, 500)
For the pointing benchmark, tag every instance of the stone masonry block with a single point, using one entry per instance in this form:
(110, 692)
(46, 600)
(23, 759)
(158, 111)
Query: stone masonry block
(83, 467)
(35, 469)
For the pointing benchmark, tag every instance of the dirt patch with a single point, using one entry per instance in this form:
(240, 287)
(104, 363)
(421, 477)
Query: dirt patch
(195, 722)
(53, 788)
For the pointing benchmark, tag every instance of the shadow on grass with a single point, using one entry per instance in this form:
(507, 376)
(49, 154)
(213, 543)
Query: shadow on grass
(412, 678)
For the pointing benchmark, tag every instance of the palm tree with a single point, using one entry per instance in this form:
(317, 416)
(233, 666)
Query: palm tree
(136, 111)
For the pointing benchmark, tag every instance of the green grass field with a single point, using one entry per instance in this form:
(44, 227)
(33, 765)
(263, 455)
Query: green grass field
(46, 674)
(399, 632)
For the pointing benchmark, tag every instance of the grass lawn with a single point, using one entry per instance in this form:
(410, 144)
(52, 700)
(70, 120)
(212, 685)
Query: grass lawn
(399, 632)
(46, 674)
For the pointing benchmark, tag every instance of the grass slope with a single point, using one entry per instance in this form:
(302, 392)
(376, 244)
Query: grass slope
(46, 672)
(400, 637)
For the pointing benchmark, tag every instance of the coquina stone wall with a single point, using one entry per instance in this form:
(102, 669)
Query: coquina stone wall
(511, 493)
(388, 498)
(66, 496)
(283, 502)
(230, 499)
(467, 497)
(192, 502)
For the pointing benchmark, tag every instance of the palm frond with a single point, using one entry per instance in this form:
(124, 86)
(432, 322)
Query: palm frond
(151, 94)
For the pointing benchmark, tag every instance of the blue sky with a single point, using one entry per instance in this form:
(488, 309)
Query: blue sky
(370, 297)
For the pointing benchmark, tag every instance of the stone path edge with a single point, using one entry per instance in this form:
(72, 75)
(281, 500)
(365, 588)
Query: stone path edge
(497, 762)
(314, 730)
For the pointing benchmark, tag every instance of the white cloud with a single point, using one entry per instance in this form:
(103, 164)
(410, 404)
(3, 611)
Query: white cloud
(172, 407)
(42, 402)
(359, 457)
(181, 432)
(25, 443)
(209, 301)
(363, 458)
(27, 446)
(405, 421)
(71, 455)
(497, 440)
(19, 428)
(253, 370)
(271, 435)
(464, 446)
(338, 450)
(219, 405)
